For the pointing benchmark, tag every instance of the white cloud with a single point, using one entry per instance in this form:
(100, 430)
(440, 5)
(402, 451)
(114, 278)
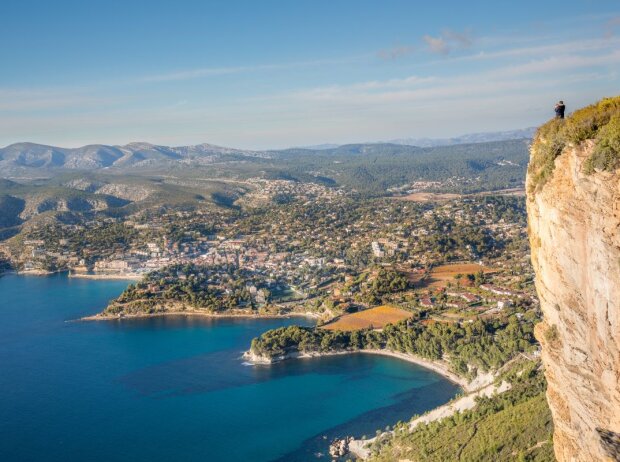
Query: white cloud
(448, 41)
(396, 52)
(437, 44)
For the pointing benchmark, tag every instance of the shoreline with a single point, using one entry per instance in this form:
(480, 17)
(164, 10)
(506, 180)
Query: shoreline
(439, 368)
(36, 272)
(110, 317)
(117, 277)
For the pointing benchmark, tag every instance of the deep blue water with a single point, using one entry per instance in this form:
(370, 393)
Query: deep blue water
(164, 389)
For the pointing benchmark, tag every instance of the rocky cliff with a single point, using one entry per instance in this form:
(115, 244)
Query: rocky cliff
(574, 223)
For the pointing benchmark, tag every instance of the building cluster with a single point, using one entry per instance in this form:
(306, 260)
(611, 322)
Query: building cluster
(312, 240)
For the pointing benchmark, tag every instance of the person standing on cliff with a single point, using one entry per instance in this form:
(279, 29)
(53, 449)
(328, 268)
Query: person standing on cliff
(559, 110)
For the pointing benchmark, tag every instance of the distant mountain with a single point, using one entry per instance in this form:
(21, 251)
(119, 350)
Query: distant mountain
(368, 168)
(524, 133)
(485, 137)
(45, 183)
(28, 156)
(30, 159)
(320, 147)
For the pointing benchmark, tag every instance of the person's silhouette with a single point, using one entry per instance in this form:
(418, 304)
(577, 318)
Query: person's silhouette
(559, 110)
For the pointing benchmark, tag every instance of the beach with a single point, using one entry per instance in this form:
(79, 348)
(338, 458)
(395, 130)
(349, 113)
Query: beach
(439, 367)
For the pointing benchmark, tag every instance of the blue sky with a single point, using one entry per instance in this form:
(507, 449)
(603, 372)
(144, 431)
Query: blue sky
(269, 74)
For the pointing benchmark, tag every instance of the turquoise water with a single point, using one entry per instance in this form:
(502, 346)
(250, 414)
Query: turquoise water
(165, 389)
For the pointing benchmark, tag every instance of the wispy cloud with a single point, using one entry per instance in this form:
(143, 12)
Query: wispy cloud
(195, 74)
(611, 25)
(577, 46)
(500, 80)
(437, 44)
(463, 39)
(490, 82)
(396, 52)
(448, 41)
(198, 73)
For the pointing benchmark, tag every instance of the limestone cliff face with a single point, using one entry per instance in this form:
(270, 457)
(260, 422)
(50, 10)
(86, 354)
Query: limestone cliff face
(574, 225)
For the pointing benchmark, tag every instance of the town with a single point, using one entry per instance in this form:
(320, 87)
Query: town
(302, 247)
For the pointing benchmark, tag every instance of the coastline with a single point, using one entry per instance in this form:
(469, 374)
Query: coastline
(110, 317)
(438, 367)
(36, 272)
(122, 277)
(361, 447)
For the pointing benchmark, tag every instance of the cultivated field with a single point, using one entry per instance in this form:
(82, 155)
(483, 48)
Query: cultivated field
(441, 275)
(376, 318)
(442, 197)
(429, 197)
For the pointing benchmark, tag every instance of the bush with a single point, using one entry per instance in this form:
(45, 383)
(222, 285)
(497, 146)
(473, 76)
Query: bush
(606, 154)
(598, 121)
(552, 335)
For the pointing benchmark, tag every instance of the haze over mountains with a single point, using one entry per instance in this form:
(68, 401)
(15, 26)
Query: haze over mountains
(98, 156)
(20, 158)
(485, 137)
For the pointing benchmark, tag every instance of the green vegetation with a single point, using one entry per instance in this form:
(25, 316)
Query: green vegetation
(515, 425)
(372, 169)
(386, 282)
(606, 154)
(600, 122)
(190, 285)
(552, 335)
(481, 344)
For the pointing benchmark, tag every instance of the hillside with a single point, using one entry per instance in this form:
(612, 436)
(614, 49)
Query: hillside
(75, 197)
(573, 202)
(367, 168)
(514, 425)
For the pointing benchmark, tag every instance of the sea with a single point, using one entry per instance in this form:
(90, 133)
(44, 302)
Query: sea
(177, 388)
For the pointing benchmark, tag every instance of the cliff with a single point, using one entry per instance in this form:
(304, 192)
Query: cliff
(573, 205)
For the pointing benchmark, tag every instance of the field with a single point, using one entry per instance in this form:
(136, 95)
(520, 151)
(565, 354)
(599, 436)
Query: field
(443, 197)
(429, 197)
(375, 318)
(441, 275)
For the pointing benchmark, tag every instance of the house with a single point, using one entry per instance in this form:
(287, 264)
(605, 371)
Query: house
(426, 302)
(497, 290)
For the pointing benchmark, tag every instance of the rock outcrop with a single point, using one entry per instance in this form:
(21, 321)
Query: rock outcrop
(574, 225)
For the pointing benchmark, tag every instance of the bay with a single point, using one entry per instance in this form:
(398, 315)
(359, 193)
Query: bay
(176, 388)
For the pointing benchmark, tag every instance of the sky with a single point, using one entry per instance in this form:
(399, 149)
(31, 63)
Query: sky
(274, 74)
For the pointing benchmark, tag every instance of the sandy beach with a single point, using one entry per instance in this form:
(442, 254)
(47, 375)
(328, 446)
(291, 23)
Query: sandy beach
(436, 366)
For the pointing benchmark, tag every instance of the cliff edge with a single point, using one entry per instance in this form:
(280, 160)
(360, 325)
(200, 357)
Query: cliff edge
(573, 203)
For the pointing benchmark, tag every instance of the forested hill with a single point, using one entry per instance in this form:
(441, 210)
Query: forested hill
(376, 168)
(373, 169)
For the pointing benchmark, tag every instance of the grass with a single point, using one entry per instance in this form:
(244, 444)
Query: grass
(376, 318)
(599, 122)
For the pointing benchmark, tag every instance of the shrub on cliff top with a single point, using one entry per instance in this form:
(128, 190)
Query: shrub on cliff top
(606, 154)
(598, 121)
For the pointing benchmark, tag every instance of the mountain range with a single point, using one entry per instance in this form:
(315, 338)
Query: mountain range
(26, 159)
(485, 137)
